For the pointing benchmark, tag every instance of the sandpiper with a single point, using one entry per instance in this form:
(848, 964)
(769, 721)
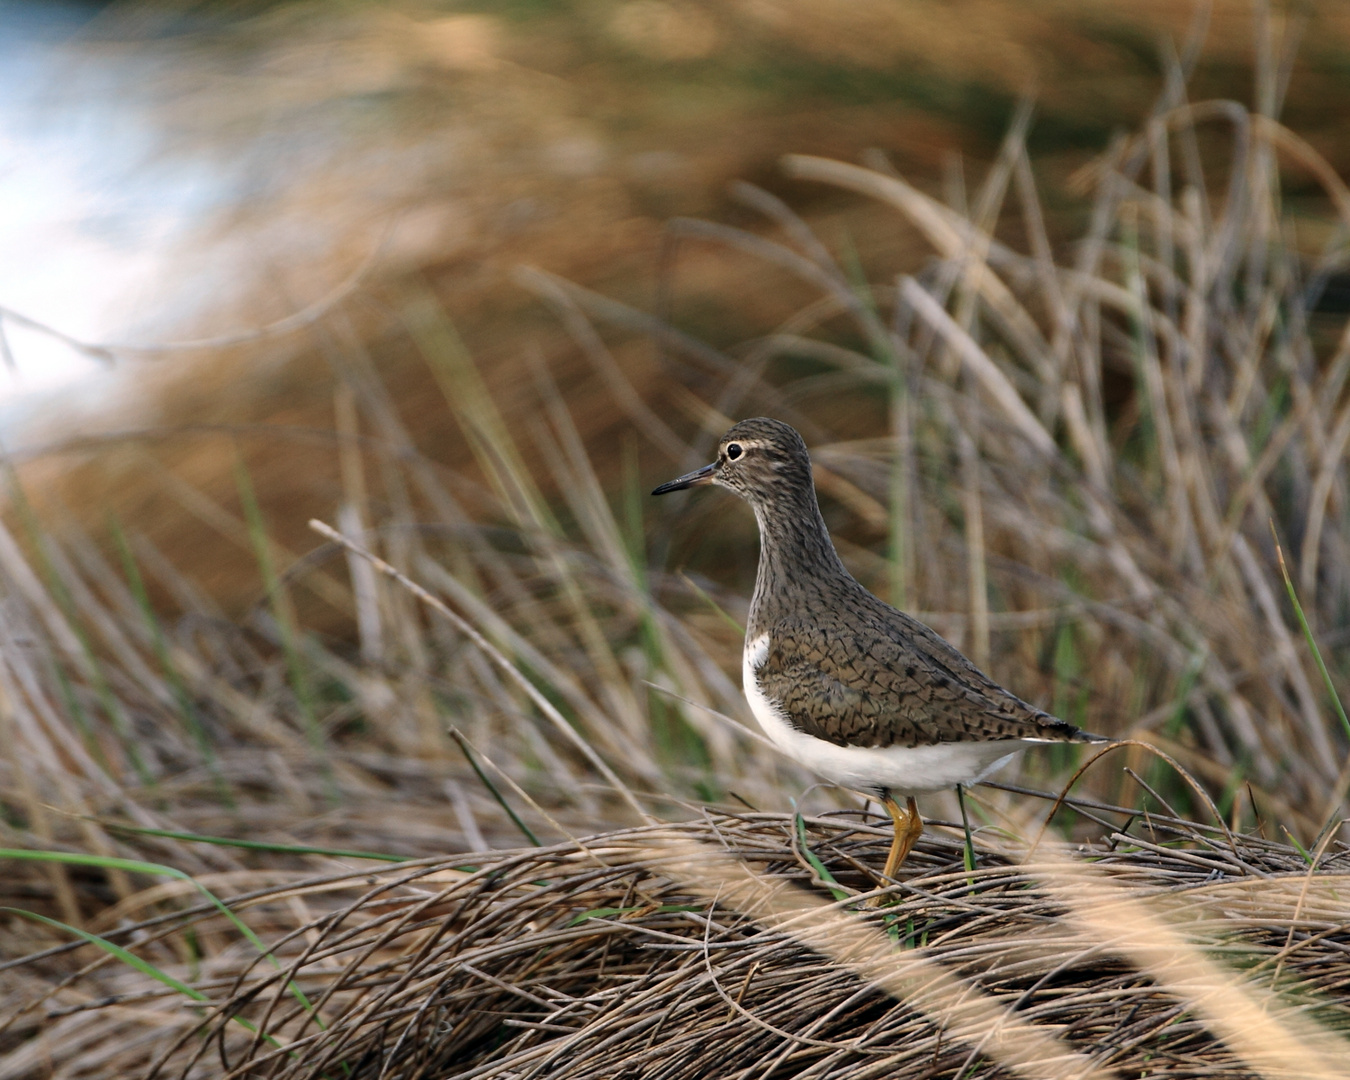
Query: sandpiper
(854, 689)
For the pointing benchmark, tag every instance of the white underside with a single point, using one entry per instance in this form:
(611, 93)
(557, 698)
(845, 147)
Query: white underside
(903, 770)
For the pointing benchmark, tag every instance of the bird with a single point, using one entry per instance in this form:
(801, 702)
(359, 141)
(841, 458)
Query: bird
(854, 689)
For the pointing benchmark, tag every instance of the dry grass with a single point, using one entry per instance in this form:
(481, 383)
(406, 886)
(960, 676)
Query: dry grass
(712, 948)
(1068, 459)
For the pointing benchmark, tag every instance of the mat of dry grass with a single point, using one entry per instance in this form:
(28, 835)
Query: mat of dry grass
(731, 946)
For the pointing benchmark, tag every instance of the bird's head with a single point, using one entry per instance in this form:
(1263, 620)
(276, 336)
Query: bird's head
(758, 459)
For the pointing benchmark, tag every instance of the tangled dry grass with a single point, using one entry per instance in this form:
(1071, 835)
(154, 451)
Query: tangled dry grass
(739, 946)
(1069, 460)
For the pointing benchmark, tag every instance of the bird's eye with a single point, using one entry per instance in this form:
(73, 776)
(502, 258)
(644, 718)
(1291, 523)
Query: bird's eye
(734, 451)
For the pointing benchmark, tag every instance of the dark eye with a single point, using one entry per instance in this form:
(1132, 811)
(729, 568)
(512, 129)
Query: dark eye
(733, 451)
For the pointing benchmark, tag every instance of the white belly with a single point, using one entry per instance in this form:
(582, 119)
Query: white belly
(903, 770)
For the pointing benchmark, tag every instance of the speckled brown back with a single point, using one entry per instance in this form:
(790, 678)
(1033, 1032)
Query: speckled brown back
(864, 674)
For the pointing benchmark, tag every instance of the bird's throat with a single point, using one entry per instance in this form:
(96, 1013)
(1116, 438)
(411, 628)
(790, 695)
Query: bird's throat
(797, 561)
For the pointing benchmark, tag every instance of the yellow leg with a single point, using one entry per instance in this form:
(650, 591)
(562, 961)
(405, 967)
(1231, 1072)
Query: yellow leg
(908, 828)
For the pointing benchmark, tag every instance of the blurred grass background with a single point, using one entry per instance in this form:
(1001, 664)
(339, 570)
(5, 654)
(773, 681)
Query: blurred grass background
(1072, 473)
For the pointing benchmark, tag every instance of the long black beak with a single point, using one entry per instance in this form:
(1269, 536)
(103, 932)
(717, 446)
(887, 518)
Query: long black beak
(688, 480)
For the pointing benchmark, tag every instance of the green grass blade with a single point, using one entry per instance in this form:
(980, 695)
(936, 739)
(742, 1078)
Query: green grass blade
(253, 845)
(1308, 635)
(463, 744)
(113, 949)
(898, 493)
(814, 859)
(1303, 852)
(610, 912)
(134, 961)
(286, 627)
(717, 608)
(191, 718)
(136, 866)
(681, 740)
(81, 718)
(968, 850)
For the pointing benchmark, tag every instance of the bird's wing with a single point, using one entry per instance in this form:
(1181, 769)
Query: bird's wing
(883, 681)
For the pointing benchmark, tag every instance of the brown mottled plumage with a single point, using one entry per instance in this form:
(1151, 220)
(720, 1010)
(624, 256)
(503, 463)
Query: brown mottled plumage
(877, 677)
(850, 686)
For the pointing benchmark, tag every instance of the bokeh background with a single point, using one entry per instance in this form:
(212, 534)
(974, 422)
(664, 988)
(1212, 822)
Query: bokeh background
(467, 280)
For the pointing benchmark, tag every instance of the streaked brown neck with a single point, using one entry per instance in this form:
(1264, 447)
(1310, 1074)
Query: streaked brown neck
(798, 566)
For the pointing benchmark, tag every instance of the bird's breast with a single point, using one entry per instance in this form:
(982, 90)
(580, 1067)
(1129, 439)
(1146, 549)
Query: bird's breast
(768, 713)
